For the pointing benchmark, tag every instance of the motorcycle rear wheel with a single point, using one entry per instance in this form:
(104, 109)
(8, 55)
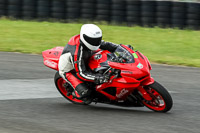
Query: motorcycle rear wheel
(161, 99)
(60, 85)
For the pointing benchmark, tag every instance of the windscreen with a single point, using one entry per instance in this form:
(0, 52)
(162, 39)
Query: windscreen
(121, 52)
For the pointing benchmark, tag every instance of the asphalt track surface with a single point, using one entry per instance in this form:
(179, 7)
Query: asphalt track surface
(30, 103)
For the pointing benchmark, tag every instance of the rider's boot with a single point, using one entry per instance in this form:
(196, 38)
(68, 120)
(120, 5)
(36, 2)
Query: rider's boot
(82, 93)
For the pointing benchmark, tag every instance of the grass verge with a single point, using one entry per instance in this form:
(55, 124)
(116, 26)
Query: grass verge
(167, 46)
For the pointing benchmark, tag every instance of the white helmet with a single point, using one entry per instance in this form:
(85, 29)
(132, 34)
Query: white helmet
(91, 36)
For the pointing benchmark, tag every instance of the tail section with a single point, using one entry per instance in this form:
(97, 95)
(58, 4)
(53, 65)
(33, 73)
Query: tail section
(51, 57)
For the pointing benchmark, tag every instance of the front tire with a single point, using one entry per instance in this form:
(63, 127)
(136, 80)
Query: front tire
(161, 99)
(60, 85)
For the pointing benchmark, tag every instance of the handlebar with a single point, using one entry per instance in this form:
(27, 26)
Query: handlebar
(111, 71)
(119, 59)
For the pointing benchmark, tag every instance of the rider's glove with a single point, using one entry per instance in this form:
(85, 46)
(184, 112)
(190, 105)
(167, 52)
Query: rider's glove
(101, 79)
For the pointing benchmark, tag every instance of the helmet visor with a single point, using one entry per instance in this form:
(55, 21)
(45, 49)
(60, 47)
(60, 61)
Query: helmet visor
(92, 41)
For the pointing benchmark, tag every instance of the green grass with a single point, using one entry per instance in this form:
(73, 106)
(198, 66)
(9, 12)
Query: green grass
(169, 46)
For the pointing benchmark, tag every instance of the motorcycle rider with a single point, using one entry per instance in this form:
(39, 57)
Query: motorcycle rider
(73, 60)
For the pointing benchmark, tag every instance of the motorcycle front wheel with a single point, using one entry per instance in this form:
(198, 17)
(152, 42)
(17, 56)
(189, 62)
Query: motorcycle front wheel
(161, 99)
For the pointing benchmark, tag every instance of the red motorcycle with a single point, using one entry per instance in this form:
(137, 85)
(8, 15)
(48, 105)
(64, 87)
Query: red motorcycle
(130, 83)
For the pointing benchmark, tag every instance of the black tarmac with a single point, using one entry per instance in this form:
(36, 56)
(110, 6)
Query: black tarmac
(30, 103)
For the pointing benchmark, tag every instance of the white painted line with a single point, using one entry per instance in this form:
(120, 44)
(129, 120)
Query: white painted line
(28, 89)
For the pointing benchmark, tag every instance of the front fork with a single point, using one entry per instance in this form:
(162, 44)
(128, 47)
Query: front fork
(144, 93)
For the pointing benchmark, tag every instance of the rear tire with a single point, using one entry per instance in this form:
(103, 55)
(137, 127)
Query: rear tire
(161, 99)
(60, 82)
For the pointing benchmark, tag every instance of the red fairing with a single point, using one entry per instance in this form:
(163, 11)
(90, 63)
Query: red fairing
(51, 57)
(124, 87)
(146, 59)
(133, 74)
(139, 69)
